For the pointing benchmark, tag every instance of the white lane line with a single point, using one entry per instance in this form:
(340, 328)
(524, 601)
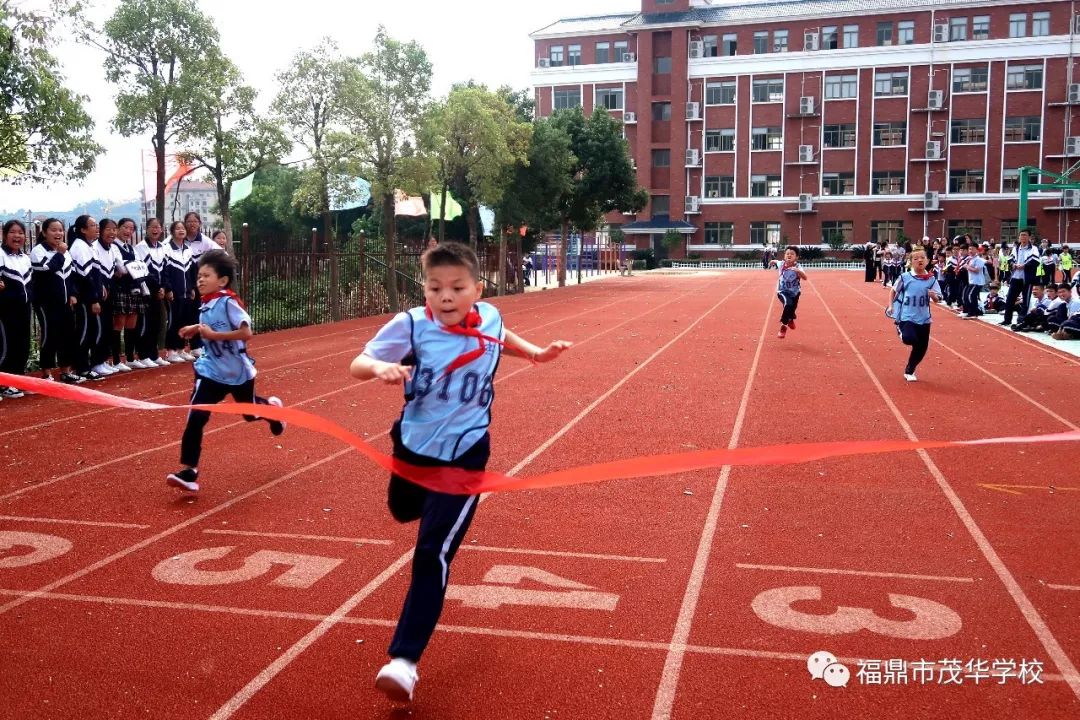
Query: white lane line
(864, 573)
(562, 553)
(62, 521)
(291, 536)
(1027, 609)
(271, 671)
(669, 679)
(1075, 588)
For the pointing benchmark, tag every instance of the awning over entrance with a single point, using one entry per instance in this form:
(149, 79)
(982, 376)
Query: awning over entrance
(658, 225)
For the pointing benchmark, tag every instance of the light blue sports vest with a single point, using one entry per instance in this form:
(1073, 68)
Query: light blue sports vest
(224, 361)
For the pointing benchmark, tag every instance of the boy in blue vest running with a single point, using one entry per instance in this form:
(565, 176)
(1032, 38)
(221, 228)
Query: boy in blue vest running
(448, 370)
(225, 368)
(909, 307)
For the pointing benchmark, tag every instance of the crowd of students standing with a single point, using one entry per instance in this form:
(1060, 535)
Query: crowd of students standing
(104, 303)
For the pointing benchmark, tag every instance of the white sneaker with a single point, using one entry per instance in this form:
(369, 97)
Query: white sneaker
(122, 367)
(198, 352)
(160, 362)
(910, 377)
(174, 357)
(186, 356)
(140, 364)
(397, 679)
(103, 370)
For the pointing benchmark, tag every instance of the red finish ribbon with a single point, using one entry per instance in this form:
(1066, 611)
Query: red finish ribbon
(466, 482)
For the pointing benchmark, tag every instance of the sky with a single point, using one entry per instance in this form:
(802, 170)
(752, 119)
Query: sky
(484, 40)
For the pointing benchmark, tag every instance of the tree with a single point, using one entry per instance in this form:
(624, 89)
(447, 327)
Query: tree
(44, 131)
(158, 53)
(672, 239)
(313, 104)
(386, 107)
(269, 209)
(230, 142)
(602, 180)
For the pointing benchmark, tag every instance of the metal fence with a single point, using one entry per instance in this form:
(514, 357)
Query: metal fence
(749, 264)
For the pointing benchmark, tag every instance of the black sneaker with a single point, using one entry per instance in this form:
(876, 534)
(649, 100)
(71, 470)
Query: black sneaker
(72, 379)
(276, 426)
(186, 479)
(11, 392)
(91, 375)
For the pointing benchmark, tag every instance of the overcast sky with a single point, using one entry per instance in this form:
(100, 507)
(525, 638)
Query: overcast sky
(486, 40)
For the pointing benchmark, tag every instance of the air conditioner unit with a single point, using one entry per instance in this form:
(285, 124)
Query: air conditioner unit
(935, 99)
(810, 40)
(693, 111)
(697, 49)
(806, 106)
(1072, 145)
(806, 202)
(693, 157)
(629, 57)
(806, 153)
(941, 33)
(933, 150)
(1074, 93)
(930, 200)
(1070, 198)
(543, 62)
(629, 118)
(692, 204)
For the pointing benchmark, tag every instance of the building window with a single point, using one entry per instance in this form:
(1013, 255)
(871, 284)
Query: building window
(728, 44)
(764, 186)
(965, 227)
(661, 158)
(610, 98)
(566, 99)
(622, 48)
(719, 233)
(889, 182)
(709, 48)
(885, 230)
(764, 233)
(662, 65)
(767, 90)
(1024, 77)
(780, 41)
(661, 204)
(839, 136)
(830, 39)
(1018, 25)
(1040, 24)
(661, 111)
(603, 52)
(719, 140)
(890, 83)
(573, 55)
(1010, 180)
(958, 28)
(966, 181)
(980, 27)
(766, 138)
(1010, 231)
(718, 186)
(884, 33)
(556, 56)
(888, 134)
(761, 42)
(969, 131)
(905, 32)
(841, 86)
(1023, 129)
(851, 36)
(972, 79)
(837, 231)
(721, 93)
(838, 184)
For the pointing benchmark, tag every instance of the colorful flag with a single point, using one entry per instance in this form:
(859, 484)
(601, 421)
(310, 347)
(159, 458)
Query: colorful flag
(410, 206)
(241, 189)
(453, 209)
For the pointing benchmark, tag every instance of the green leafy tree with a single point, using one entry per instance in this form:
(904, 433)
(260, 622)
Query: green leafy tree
(44, 131)
(386, 104)
(158, 54)
(269, 210)
(673, 239)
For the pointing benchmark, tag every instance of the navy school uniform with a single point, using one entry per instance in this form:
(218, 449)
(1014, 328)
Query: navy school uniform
(1024, 262)
(105, 261)
(149, 325)
(15, 310)
(178, 277)
(88, 289)
(444, 423)
(54, 286)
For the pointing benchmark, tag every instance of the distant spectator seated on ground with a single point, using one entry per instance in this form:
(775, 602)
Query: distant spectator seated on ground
(626, 267)
(994, 303)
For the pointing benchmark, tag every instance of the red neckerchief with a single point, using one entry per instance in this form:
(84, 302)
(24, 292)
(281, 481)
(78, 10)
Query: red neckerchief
(468, 328)
(927, 276)
(223, 293)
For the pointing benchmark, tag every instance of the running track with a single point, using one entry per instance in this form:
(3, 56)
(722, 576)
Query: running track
(274, 592)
